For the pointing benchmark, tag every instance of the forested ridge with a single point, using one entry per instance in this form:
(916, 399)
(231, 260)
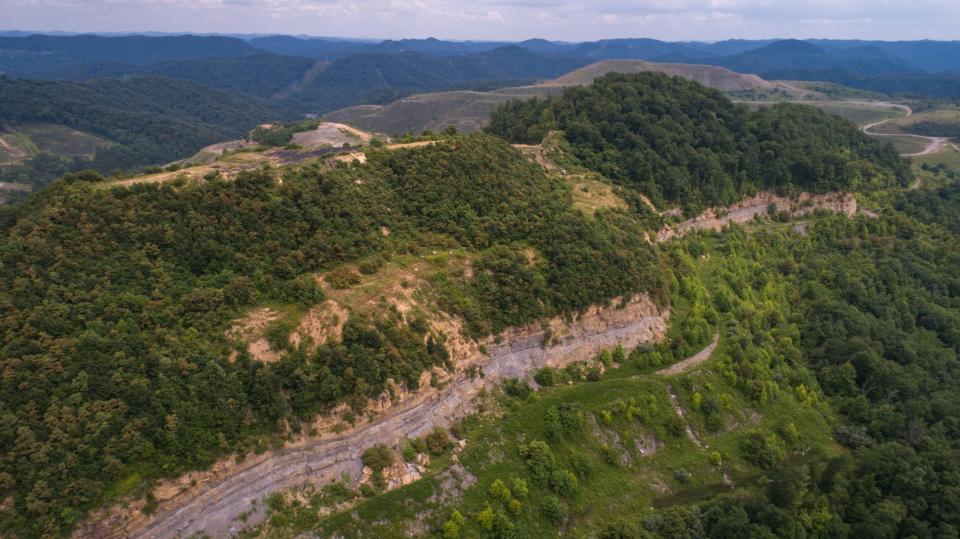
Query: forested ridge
(680, 142)
(114, 356)
(117, 368)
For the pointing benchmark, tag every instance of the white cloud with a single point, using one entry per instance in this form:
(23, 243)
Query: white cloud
(568, 20)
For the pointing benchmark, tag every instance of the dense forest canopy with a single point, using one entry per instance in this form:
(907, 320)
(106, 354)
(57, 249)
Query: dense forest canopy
(113, 323)
(150, 121)
(117, 367)
(679, 142)
(261, 74)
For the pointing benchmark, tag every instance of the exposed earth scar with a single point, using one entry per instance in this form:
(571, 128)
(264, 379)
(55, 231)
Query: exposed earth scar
(213, 507)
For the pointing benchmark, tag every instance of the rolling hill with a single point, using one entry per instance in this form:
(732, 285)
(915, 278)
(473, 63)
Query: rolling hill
(37, 54)
(218, 337)
(261, 74)
(713, 77)
(382, 78)
(470, 111)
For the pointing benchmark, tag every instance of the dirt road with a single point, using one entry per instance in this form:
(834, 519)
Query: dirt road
(692, 361)
(934, 144)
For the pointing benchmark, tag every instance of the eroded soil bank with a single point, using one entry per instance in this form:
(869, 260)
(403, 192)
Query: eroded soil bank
(213, 501)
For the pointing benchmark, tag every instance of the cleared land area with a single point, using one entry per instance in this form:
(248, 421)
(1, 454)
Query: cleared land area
(469, 111)
(27, 140)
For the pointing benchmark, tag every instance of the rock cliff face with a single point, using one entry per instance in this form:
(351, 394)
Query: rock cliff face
(745, 210)
(211, 501)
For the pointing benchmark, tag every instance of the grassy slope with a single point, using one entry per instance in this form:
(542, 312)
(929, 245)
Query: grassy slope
(680, 472)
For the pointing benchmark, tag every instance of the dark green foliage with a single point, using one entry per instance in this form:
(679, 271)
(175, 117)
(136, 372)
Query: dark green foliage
(282, 134)
(539, 460)
(438, 441)
(115, 320)
(377, 457)
(563, 420)
(173, 120)
(555, 509)
(36, 54)
(549, 376)
(679, 142)
(261, 75)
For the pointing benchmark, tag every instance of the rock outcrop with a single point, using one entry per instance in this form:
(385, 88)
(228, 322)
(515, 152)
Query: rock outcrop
(212, 501)
(748, 208)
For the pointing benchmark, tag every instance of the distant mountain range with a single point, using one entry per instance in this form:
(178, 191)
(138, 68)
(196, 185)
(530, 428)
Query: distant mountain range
(317, 75)
(190, 90)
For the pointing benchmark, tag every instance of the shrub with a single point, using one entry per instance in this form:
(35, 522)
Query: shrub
(378, 457)
(789, 433)
(343, 277)
(370, 265)
(302, 290)
(564, 483)
(555, 509)
(610, 455)
(453, 525)
(500, 491)
(520, 489)
(549, 377)
(409, 452)
(278, 334)
(516, 388)
(539, 459)
(438, 441)
(202, 300)
(485, 518)
(582, 466)
(764, 451)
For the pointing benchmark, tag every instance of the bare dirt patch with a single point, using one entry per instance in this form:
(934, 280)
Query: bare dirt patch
(590, 194)
(535, 153)
(251, 330)
(405, 145)
(331, 134)
(10, 151)
(321, 324)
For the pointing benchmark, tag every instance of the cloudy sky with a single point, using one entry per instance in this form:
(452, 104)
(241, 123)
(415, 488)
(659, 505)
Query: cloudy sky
(568, 20)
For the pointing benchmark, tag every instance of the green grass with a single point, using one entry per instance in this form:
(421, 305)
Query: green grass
(835, 91)
(936, 169)
(679, 473)
(627, 405)
(14, 147)
(936, 122)
(860, 114)
(904, 144)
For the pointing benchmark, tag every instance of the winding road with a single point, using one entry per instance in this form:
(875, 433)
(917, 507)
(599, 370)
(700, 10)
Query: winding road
(934, 144)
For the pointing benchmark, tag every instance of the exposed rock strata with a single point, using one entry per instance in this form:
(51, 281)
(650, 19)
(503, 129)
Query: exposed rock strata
(212, 500)
(748, 208)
